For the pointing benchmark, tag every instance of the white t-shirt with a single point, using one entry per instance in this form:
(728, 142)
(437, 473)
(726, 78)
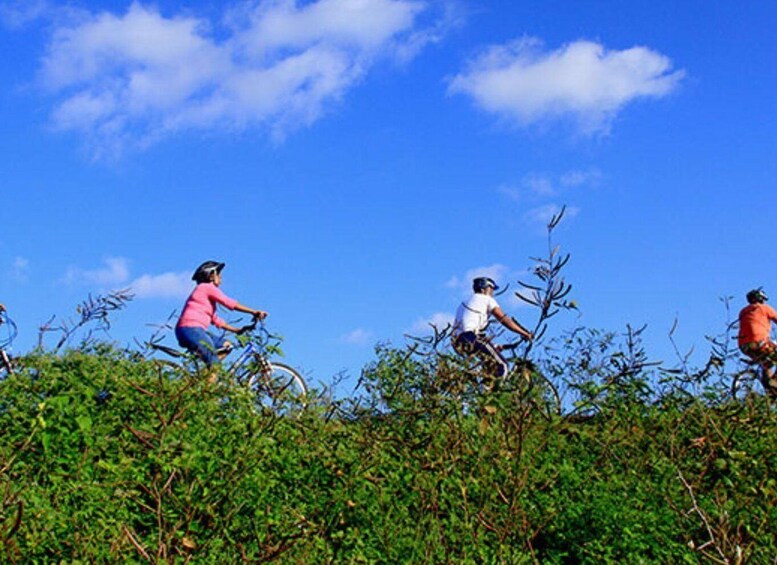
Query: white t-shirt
(472, 315)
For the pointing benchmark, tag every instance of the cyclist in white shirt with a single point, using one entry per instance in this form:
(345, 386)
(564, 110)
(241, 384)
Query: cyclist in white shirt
(471, 321)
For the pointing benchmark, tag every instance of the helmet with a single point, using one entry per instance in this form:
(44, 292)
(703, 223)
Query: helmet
(205, 271)
(757, 296)
(482, 283)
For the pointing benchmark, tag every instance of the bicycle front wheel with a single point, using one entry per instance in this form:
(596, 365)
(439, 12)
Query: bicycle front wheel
(743, 384)
(280, 388)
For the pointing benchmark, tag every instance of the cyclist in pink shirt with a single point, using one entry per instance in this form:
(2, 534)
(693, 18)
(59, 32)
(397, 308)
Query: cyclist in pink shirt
(199, 313)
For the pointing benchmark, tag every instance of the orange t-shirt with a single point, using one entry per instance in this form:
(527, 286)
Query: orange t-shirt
(755, 322)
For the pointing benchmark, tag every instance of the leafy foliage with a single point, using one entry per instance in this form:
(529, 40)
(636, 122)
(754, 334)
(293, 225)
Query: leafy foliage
(108, 456)
(105, 457)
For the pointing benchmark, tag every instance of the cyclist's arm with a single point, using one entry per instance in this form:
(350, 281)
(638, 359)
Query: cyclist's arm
(218, 296)
(511, 324)
(261, 314)
(229, 328)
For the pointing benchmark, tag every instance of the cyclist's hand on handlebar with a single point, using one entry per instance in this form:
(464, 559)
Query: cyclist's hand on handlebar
(260, 315)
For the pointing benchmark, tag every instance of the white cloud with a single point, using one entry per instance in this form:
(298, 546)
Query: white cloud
(166, 285)
(438, 320)
(115, 272)
(539, 217)
(17, 13)
(358, 337)
(540, 185)
(135, 78)
(363, 24)
(463, 285)
(503, 276)
(582, 80)
(571, 179)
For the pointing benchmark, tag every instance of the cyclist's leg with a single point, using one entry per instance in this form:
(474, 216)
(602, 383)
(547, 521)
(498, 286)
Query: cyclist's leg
(768, 361)
(5, 364)
(495, 363)
(221, 344)
(765, 354)
(199, 342)
(464, 343)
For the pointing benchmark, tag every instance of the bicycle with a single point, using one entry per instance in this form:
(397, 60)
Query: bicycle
(522, 377)
(275, 385)
(6, 361)
(743, 383)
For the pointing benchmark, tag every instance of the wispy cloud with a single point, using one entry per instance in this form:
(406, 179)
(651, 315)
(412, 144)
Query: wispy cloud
(463, 284)
(166, 285)
(572, 179)
(115, 273)
(502, 274)
(16, 14)
(536, 186)
(359, 337)
(130, 80)
(20, 269)
(437, 320)
(538, 218)
(582, 81)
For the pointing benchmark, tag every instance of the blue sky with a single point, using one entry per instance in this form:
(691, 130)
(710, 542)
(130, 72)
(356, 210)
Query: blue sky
(355, 162)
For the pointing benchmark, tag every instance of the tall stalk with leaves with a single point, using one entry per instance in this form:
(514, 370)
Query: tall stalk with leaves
(549, 291)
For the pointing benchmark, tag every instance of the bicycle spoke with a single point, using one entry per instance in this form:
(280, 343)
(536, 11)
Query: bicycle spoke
(280, 388)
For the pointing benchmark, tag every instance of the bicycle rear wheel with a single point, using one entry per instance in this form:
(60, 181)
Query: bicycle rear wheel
(281, 388)
(6, 365)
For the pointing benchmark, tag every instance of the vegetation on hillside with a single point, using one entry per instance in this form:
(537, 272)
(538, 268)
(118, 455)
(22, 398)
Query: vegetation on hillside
(109, 456)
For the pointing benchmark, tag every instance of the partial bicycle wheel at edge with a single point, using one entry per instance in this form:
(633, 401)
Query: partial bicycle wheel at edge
(282, 389)
(6, 365)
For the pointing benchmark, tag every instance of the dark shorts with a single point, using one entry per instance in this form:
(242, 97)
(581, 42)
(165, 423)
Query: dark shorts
(200, 342)
(470, 343)
(765, 354)
(762, 352)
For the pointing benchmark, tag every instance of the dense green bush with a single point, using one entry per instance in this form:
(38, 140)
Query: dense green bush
(107, 457)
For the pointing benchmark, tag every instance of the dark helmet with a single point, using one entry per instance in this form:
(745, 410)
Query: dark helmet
(757, 296)
(481, 283)
(205, 272)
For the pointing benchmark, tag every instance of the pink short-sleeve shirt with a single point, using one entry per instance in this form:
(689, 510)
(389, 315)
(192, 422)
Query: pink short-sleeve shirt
(200, 308)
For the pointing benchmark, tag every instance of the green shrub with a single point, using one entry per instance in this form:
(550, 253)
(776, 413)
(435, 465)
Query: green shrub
(105, 457)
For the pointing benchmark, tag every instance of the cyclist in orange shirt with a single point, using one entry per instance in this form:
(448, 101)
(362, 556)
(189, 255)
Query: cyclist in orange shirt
(755, 322)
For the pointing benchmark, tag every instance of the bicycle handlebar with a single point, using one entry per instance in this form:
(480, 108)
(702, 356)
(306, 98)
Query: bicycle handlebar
(257, 321)
(249, 327)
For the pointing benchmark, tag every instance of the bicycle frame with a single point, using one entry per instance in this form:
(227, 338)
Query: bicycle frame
(250, 350)
(5, 359)
(273, 383)
(10, 325)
